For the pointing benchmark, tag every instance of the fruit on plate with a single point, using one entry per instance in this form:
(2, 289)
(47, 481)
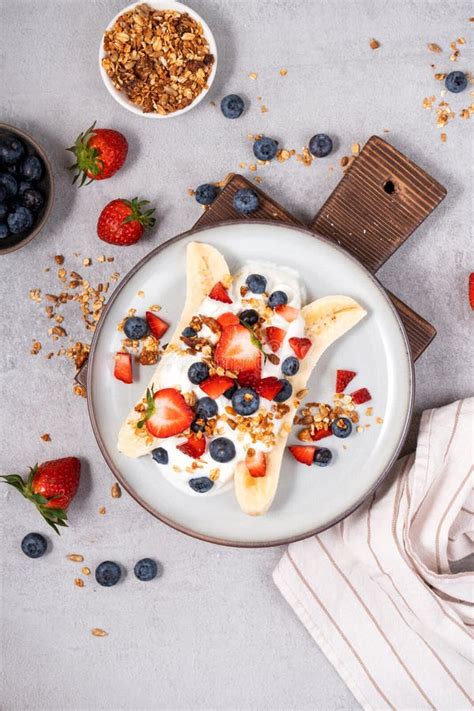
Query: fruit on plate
(219, 293)
(321, 434)
(274, 337)
(34, 545)
(108, 573)
(99, 154)
(343, 378)
(342, 427)
(157, 326)
(123, 367)
(289, 313)
(216, 385)
(227, 319)
(360, 396)
(232, 106)
(135, 328)
(146, 569)
(51, 487)
(123, 222)
(308, 454)
(300, 346)
(167, 413)
(256, 462)
(193, 446)
(269, 387)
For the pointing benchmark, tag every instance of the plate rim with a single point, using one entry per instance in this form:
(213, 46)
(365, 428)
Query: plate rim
(188, 531)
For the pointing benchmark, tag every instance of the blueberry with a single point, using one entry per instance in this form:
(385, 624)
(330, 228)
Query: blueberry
(222, 450)
(20, 220)
(278, 298)
(13, 169)
(206, 407)
(320, 145)
(32, 168)
(4, 231)
(34, 545)
(246, 201)
(197, 372)
(32, 199)
(9, 183)
(285, 391)
(108, 573)
(160, 455)
(256, 283)
(265, 148)
(290, 366)
(230, 391)
(24, 185)
(201, 484)
(3, 211)
(249, 317)
(342, 427)
(3, 193)
(189, 332)
(232, 106)
(456, 82)
(146, 569)
(206, 194)
(198, 425)
(322, 456)
(245, 401)
(11, 150)
(135, 328)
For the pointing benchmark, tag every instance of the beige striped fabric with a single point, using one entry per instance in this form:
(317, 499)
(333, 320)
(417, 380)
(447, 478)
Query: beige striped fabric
(376, 591)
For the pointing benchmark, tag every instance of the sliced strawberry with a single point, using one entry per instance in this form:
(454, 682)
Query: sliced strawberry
(158, 327)
(289, 313)
(236, 350)
(321, 434)
(274, 337)
(471, 290)
(256, 462)
(194, 446)
(249, 379)
(343, 378)
(219, 293)
(303, 453)
(300, 346)
(123, 367)
(227, 319)
(360, 396)
(269, 387)
(169, 414)
(216, 385)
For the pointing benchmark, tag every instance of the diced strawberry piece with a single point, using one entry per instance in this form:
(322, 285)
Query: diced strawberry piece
(171, 415)
(194, 446)
(300, 346)
(289, 313)
(123, 367)
(256, 462)
(158, 327)
(321, 434)
(274, 337)
(269, 387)
(219, 293)
(343, 378)
(360, 396)
(249, 379)
(236, 351)
(216, 385)
(303, 453)
(227, 319)
(471, 290)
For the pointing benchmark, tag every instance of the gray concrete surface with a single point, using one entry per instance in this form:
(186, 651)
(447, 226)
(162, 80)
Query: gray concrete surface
(213, 633)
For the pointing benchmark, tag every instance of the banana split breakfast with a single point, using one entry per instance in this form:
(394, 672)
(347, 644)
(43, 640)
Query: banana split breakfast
(221, 403)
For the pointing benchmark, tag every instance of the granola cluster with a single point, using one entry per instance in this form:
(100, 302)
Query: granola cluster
(160, 59)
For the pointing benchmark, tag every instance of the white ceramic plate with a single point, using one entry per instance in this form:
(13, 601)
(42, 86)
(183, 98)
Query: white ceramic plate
(120, 96)
(308, 499)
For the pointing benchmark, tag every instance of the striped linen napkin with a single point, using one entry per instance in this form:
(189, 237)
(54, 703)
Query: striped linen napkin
(376, 591)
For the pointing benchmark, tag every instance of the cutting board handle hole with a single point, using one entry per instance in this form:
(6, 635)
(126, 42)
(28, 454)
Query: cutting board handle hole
(389, 187)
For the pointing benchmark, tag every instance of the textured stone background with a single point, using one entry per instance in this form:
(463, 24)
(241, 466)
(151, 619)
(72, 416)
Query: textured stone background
(214, 632)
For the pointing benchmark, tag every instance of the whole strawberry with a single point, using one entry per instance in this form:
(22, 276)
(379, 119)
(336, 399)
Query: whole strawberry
(51, 487)
(99, 152)
(122, 222)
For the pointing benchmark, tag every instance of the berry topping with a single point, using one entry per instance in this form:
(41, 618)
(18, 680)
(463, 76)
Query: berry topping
(320, 145)
(34, 545)
(360, 396)
(232, 106)
(20, 220)
(189, 332)
(219, 293)
(99, 153)
(222, 450)
(108, 573)
(256, 462)
(277, 298)
(201, 484)
(343, 378)
(123, 367)
(157, 326)
(245, 401)
(342, 427)
(9, 183)
(269, 387)
(160, 455)
(256, 283)
(216, 385)
(237, 351)
(206, 194)
(456, 82)
(123, 222)
(289, 313)
(246, 201)
(228, 393)
(197, 372)
(227, 319)
(274, 337)
(206, 407)
(265, 148)
(135, 328)
(4, 231)
(11, 149)
(167, 413)
(322, 456)
(285, 391)
(249, 378)
(303, 453)
(32, 199)
(32, 168)
(290, 366)
(321, 434)
(249, 317)
(300, 346)
(146, 569)
(198, 425)
(194, 446)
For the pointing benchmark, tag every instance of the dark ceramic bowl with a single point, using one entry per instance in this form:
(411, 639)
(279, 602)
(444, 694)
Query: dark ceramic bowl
(45, 185)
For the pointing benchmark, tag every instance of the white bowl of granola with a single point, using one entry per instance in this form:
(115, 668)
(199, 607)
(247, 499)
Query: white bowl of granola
(158, 59)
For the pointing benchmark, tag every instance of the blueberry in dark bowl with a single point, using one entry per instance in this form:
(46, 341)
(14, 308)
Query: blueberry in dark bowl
(290, 366)
(3, 193)
(32, 168)
(245, 401)
(23, 186)
(32, 199)
(197, 372)
(320, 145)
(285, 392)
(222, 450)
(322, 456)
(4, 231)
(265, 148)
(201, 484)
(277, 298)
(160, 455)
(249, 317)
(232, 106)
(206, 194)
(246, 201)
(146, 569)
(108, 573)
(342, 427)
(135, 328)
(456, 82)
(20, 220)
(9, 183)
(11, 149)
(3, 211)
(34, 545)
(206, 407)
(256, 283)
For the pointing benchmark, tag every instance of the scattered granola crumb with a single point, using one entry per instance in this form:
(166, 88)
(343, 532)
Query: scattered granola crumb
(374, 44)
(35, 295)
(35, 348)
(355, 149)
(440, 76)
(369, 411)
(242, 165)
(87, 261)
(46, 437)
(344, 161)
(379, 420)
(191, 192)
(433, 47)
(155, 308)
(141, 293)
(263, 109)
(80, 390)
(97, 632)
(443, 137)
(253, 167)
(102, 510)
(283, 72)
(253, 75)
(101, 258)
(75, 557)
(79, 582)
(85, 570)
(116, 491)
(360, 428)
(59, 259)
(428, 102)
(258, 179)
